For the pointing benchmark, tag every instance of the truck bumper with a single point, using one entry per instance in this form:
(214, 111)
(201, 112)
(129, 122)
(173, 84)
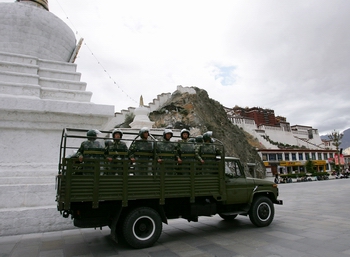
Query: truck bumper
(279, 202)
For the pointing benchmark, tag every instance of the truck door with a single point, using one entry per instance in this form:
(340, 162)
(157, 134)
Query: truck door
(236, 184)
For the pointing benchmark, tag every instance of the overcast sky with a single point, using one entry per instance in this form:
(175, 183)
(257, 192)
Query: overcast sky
(289, 56)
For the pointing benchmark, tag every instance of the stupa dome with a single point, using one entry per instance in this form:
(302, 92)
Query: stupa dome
(32, 30)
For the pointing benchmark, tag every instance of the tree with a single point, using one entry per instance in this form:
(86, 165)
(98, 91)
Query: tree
(336, 137)
(309, 166)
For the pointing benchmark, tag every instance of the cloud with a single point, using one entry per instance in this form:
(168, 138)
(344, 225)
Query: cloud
(289, 56)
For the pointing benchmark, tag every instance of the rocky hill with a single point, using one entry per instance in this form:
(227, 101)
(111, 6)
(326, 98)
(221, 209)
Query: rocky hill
(199, 113)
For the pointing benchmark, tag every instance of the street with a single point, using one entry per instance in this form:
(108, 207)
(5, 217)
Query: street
(313, 222)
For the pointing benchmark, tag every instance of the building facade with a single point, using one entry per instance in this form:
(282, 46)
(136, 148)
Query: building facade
(290, 161)
(283, 148)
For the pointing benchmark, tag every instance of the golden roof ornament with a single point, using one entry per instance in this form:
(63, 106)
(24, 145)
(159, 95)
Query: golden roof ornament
(141, 101)
(42, 3)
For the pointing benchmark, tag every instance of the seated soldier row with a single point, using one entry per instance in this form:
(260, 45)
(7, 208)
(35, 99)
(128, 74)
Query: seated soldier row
(142, 148)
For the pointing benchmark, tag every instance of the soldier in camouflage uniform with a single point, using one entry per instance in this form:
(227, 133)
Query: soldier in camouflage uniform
(167, 150)
(116, 151)
(185, 134)
(141, 151)
(90, 148)
(208, 151)
(197, 150)
(186, 149)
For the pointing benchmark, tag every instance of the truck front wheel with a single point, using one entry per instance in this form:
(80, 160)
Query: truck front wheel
(262, 211)
(142, 227)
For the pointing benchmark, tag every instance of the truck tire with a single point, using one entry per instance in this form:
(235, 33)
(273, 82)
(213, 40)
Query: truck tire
(262, 211)
(142, 227)
(227, 217)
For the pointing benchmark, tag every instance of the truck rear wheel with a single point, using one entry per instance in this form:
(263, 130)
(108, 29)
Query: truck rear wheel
(262, 211)
(142, 227)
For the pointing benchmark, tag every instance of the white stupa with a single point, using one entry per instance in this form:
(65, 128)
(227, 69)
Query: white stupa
(40, 94)
(141, 118)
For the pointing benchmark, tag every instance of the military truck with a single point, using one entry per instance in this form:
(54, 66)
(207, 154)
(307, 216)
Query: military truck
(135, 202)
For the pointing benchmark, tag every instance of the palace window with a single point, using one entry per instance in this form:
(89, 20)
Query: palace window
(279, 157)
(301, 156)
(319, 156)
(313, 156)
(294, 156)
(272, 157)
(286, 156)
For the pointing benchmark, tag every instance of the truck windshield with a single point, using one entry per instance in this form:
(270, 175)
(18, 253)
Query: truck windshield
(232, 169)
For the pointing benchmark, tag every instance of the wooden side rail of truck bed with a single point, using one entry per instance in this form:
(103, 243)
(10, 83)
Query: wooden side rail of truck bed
(98, 180)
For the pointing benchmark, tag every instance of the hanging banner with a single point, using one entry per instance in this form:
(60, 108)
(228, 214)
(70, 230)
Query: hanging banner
(342, 161)
(336, 159)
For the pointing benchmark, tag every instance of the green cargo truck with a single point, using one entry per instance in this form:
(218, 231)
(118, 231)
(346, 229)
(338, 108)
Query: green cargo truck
(135, 202)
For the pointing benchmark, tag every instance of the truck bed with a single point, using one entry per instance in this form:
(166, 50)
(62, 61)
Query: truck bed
(98, 180)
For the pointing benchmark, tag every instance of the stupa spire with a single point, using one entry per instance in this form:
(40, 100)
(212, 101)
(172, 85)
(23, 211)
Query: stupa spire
(141, 101)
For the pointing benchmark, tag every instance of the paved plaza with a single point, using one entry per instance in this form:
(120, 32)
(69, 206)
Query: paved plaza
(313, 222)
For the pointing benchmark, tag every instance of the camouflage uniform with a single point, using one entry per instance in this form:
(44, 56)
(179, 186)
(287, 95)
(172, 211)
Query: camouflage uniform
(197, 150)
(167, 153)
(142, 150)
(91, 149)
(166, 150)
(138, 147)
(185, 147)
(208, 150)
(186, 151)
(118, 152)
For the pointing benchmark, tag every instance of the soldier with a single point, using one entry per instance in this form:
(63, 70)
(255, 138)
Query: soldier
(185, 134)
(116, 150)
(186, 149)
(141, 150)
(197, 151)
(208, 150)
(90, 148)
(166, 149)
